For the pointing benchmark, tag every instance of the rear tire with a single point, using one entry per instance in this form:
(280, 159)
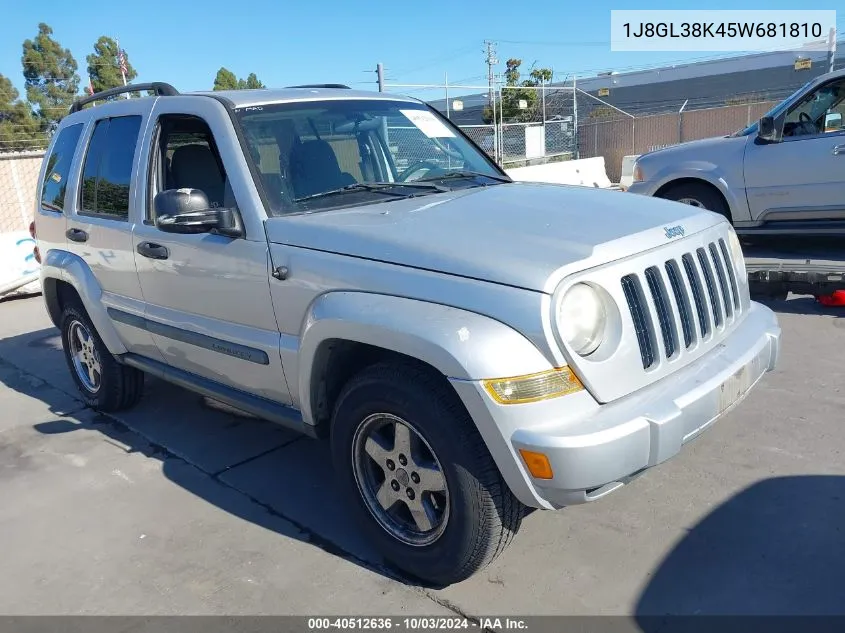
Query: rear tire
(105, 384)
(698, 195)
(464, 526)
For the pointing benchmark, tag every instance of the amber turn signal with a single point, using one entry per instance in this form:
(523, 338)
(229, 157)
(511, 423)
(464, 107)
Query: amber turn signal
(537, 463)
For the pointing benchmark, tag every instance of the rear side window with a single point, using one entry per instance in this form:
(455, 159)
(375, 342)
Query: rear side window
(58, 164)
(107, 172)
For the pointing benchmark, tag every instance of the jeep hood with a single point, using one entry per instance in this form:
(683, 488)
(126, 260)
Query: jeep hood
(518, 234)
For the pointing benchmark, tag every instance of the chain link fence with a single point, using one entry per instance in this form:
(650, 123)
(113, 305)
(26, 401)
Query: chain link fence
(515, 125)
(527, 125)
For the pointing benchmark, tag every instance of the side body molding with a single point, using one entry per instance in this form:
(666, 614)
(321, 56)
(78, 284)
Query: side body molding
(59, 264)
(459, 344)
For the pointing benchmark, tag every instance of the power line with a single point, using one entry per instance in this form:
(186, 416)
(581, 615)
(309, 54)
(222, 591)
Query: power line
(439, 59)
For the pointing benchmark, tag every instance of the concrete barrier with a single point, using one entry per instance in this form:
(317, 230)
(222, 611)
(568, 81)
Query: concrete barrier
(586, 172)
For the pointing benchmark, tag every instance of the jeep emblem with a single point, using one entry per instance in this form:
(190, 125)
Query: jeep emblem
(674, 231)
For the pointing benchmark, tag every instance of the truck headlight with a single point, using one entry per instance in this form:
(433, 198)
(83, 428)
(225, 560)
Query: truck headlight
(581, 318)
(638, 172)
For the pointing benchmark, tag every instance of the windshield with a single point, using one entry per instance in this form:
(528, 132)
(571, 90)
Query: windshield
(778, 109)
(318, 155)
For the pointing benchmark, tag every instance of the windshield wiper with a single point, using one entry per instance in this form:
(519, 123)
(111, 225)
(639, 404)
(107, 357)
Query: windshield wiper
(380, 187)
(466, 174)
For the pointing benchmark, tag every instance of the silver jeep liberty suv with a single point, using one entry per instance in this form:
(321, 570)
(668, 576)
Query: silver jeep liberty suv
(350, 265)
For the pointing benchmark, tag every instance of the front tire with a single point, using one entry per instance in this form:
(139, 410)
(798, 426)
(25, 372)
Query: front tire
(419, 478)
(698, 195)
(105, 384)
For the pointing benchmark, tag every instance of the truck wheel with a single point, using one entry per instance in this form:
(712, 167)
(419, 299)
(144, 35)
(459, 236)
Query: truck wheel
(698, 195)
(418, 476)
(105, 384)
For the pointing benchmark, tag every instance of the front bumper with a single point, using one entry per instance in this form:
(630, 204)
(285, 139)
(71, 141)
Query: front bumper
(642, 187)
(601, 451)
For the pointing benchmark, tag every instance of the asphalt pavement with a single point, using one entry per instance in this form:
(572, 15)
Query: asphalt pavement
(179, 508)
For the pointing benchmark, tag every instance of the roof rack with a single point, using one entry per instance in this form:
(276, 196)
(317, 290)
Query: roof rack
(340, 86)
(161, 89)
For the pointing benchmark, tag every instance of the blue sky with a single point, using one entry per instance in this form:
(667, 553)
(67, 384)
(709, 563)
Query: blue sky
(337, 40)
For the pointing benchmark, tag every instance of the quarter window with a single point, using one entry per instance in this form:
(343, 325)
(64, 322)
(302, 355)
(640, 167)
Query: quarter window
(58, 164)
(107, 173)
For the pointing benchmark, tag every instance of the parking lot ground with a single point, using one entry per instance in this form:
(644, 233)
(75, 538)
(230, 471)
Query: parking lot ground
(175, 507)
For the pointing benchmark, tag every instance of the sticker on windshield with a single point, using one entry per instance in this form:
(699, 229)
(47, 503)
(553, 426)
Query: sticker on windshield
(428, 124)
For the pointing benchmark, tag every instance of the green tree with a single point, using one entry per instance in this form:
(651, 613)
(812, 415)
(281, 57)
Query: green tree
(252, 82)
(516, 91)
(104, 65)
(225, 80)
(51, 79)
(18, 128)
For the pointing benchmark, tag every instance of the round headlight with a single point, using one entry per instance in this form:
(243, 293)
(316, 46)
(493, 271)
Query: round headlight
(737, 255)
(581, 319)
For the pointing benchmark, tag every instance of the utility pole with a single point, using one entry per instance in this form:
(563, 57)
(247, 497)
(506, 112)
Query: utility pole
(491, 61)
(446, 84)
(832, 48)
(380, 75)
(575, 115)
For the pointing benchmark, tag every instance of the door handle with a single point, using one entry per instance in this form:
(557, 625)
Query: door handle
(839, 150)
(77, 235)
(153, 251)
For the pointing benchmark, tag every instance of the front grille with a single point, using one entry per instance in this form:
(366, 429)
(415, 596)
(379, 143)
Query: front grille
(688, 298)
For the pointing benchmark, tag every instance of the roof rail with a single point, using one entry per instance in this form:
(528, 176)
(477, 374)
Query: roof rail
(340, 86)
(161, 89)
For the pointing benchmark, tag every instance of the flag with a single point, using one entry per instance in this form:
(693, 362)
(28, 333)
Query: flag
(90, 85)
(121, 59)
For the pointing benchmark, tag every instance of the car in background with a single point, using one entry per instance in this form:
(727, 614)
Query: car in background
(785, 174)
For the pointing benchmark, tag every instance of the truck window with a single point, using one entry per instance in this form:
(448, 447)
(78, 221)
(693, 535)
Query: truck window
(810, 115)
(107, 172)
(186, 156)
(55, 176)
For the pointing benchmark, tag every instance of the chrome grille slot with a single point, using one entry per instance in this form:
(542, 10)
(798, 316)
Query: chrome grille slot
(731, 274)
(710, 282)
(661, 306)
(673, 272)
(727, 301)
(640, 316)
(697, 293)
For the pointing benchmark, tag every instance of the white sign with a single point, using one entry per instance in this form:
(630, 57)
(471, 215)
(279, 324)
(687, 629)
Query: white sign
(428, 124)
(457, 104)
(535, 141)
(523, 104)
(17, 261)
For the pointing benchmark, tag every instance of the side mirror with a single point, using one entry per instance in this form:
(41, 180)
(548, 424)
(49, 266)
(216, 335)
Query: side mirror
(832, 122)
(188, 211)
(767, 130)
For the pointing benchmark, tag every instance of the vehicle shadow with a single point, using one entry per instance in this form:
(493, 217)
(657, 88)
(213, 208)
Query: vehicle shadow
(774, 549)
(248, 467)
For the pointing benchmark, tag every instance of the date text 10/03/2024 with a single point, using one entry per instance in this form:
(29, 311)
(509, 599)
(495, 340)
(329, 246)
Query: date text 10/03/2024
(416, 623)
